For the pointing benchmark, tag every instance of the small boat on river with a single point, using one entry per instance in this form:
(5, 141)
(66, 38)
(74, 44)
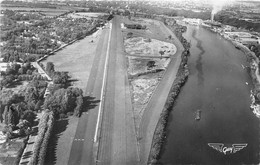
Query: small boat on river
(198, 114)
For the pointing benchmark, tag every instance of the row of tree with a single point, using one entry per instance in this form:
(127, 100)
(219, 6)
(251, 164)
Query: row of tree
(65, 101)
(45, 128)
(227, 19)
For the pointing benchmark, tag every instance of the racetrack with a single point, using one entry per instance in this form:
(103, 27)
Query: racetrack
(116, 140)
(118, 143)
(82, 147)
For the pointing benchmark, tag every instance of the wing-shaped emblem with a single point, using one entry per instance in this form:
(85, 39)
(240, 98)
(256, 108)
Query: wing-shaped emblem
(238, 147)
(216, 146)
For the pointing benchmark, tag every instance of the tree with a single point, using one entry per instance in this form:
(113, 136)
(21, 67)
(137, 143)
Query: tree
(150, 64)
(63, 101)
(10, 117)
(38, 105)
(6, 114)
(79, 107)
(130, 35)
(50, 68)
(14, 99)
(60, 78)
(161, 53)
(1, 111)
(9, 70)
(22, 70)
(29, 72)
(56, 102)
(15, 68)
(29, 116)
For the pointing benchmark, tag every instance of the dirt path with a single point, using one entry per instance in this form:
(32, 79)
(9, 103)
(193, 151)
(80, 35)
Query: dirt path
(156, 104)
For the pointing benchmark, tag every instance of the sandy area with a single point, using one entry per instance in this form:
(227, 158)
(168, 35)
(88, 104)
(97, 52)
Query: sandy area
(149, 47)
(76, 59)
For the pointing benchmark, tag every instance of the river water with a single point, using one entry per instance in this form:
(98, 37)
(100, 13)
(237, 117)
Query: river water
(219, 85)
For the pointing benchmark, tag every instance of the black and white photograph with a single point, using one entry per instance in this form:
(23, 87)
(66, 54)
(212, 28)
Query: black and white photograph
(129, 82)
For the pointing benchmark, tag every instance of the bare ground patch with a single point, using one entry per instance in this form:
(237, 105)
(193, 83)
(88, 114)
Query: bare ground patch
(142, 90)
(149, 47)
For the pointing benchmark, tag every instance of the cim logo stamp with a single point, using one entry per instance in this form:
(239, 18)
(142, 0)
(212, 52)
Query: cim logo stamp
(227, 149)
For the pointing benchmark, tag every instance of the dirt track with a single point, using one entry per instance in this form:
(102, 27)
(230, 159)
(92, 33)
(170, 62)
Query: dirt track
(156, 104)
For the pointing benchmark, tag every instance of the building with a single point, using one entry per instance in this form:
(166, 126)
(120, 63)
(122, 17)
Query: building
(249, 41)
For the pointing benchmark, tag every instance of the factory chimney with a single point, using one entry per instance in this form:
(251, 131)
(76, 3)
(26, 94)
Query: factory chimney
(212, 16)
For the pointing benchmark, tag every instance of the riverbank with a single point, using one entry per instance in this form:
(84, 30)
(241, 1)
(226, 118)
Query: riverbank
(181, 77)
(217, 86)
(254, 73)
(160, 132)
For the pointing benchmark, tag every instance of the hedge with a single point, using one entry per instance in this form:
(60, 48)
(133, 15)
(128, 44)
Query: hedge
(44, 145)
(42, 127)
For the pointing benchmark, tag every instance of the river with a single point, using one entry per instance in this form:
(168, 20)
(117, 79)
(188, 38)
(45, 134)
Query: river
(219, 85)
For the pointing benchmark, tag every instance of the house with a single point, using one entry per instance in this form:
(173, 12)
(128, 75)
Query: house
(3, 66)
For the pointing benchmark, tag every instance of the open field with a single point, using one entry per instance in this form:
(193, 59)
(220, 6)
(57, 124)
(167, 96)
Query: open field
(149, 47)
(53, 13)
(76, 59)
(86, 15)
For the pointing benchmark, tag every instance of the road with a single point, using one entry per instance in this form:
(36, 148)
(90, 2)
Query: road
(156, 104)
(118, 143)
(41, 71)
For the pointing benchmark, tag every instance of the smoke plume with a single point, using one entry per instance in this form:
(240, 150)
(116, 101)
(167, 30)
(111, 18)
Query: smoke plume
(218, 6)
